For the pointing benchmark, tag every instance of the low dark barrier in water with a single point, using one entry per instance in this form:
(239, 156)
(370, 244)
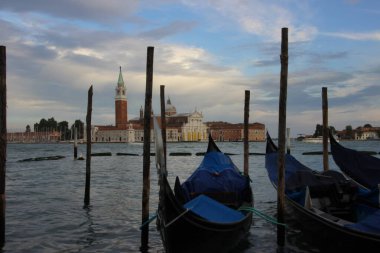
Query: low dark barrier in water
(314, 153)
(368, 152)
(42, 158)
(180, 154)
(127, 154)
(200, 153)
(102, 154)
(256, 153)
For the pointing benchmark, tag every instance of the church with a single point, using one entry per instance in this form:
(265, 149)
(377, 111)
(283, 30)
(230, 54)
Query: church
(179, 126)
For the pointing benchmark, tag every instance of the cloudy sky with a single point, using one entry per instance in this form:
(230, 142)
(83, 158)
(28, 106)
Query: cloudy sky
(207, 53)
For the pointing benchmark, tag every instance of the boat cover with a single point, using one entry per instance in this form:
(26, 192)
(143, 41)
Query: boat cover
(368, 221)
(212, 210)
(361, 167)
(216, 173)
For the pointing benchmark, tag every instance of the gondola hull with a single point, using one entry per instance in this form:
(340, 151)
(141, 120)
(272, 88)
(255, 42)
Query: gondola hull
(325, 205)
(184, 231)
(326, 231)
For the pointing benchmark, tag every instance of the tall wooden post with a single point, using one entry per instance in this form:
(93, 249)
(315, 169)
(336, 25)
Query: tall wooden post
(163, 117)
(3, 140)
(75, 143)
(325, 109)
(288, 140)
(246, 132)
(146, 151)
(281, 138)
(88, 154)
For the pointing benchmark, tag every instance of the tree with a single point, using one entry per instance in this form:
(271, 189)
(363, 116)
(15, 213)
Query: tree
(367, 126)
(63, 127)
(349, 132)
(318, 130)
(80, 126)
(27, 129)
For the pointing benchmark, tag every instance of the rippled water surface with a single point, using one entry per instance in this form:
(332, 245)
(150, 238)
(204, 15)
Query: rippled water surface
(45, 213)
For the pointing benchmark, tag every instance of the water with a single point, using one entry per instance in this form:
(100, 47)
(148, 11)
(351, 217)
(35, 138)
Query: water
(45, 213)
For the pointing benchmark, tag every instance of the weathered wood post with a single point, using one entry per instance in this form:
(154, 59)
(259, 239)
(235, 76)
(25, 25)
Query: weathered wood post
(75, 143)
(288, 140)
(146, 151)
(325, 116)
(163, 117)
(88, 154)
(246, 132)
(3, 140)
(281, 138)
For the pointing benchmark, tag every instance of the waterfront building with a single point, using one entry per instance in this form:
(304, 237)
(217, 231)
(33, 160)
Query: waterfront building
(33, 137)
(224, 131)
(179, 126)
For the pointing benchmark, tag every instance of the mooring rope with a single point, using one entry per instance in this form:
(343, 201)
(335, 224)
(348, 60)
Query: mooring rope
(244, 208)
(148, 221)
(262, 215)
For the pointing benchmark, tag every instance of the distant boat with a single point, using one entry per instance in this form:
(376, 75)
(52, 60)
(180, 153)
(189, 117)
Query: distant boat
(318, 139)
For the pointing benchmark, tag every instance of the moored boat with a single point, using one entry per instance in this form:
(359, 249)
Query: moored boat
(327, 205)
(204, 214)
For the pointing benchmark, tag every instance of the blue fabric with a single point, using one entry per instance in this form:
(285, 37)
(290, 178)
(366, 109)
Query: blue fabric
(216, 173)
(369, 219)
(371, 196)
(212, 210)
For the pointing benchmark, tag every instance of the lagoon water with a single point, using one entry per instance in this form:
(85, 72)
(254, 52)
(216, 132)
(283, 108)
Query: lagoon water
(44, 208)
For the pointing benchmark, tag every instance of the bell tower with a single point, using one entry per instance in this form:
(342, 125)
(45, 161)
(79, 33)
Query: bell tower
(121, 113)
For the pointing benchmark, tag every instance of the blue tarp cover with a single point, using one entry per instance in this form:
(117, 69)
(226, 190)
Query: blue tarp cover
(212, 210)
(216, 173)
(369, 219)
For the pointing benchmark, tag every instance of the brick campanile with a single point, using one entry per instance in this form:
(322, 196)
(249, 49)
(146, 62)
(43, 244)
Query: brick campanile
(121, 113)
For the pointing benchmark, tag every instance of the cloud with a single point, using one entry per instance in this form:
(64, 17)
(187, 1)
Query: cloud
(95, 10)
(363, 36)
(262, 18)
(172, 28)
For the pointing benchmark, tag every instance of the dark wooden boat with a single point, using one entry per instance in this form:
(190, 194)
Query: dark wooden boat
(183, 227)
(326, 205)
(360, 166)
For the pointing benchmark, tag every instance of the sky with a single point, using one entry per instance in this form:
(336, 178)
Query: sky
(206, 53)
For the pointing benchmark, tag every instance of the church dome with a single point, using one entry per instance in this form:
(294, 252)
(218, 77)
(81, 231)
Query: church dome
(169, 108)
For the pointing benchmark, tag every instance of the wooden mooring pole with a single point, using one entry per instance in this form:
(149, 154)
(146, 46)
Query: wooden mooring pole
(146, 151)
(281, 139)
(288, 140)
(325, 117)
(246, 132)
(75, 143)
(88, 153)
(3, 140)
(163, 117)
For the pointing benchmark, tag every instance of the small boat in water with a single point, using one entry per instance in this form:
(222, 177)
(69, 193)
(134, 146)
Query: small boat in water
(359, 166)
(327, 205)
(206, 212)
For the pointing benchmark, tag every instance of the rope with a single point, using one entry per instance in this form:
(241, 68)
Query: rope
(262, 215)
(176, 218)
(148, 221)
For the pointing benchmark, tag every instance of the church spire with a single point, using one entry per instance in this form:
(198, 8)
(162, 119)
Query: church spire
(120, 82)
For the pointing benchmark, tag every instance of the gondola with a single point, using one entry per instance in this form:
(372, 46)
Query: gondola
(203, 214)
(326, 205)
(361, 167)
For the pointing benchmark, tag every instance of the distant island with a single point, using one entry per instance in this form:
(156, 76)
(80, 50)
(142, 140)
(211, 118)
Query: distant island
(365, 132)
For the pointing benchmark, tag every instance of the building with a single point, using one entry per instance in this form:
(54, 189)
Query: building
(33, 137)
(224, 131)
(179, 126)
(367, 133)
